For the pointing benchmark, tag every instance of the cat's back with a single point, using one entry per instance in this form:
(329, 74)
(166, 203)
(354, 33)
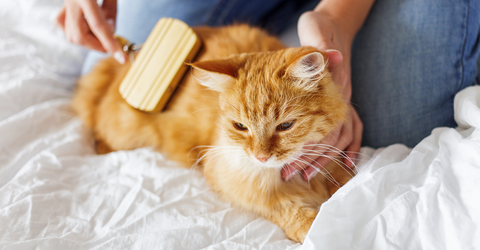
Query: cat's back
(235, 39)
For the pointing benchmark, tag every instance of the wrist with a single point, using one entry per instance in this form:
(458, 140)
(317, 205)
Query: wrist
(348, 15)
(340, 25)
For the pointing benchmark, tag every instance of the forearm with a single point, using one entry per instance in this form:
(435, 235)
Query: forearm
(349, 14)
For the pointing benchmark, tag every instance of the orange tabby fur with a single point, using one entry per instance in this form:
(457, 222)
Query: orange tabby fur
(261, 88)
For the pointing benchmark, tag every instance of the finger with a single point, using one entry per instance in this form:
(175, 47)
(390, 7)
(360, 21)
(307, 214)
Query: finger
(354, 147)
(309, 173)
(288, 172)
(343, 140)
(101, 29)
(76, 29)
(92, 42)
(60, 20)
(300, 164)
(316, 154)
(318, 158)
(109, 7)
(337, 67)
(75, 25)
(346, 138)
(303, 161)
(335, 57)
(317, 165)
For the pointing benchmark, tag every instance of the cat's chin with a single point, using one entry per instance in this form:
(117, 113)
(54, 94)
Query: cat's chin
(274, 165)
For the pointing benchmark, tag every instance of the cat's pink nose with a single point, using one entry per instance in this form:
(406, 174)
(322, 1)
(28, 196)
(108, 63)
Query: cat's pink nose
(262, 159)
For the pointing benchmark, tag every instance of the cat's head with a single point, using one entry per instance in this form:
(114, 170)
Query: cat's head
(272, 103)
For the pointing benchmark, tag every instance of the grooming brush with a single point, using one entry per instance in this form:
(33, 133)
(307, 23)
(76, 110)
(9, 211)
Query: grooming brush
(159, 65)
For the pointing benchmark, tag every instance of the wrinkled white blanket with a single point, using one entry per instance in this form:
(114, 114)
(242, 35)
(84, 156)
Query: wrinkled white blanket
(55, 193)
(425, 198)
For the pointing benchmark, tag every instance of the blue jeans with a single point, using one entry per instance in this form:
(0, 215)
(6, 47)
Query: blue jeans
(408, 61)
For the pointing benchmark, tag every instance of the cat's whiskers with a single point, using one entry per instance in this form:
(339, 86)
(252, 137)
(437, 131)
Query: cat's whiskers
(335, 150)
(342, 153)
(211, 152)
(328, 147)
(197, 162)
(336, 160)
(300, 166)
(326, 174)
(208, 147)
(223, 156)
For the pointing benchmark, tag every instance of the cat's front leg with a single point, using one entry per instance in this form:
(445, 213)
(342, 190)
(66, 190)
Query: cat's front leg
(294, 220)
(289, 205)
(102, 147)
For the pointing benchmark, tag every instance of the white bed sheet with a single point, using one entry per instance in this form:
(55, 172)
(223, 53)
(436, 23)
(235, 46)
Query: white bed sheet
(427, 197)
(55, 193)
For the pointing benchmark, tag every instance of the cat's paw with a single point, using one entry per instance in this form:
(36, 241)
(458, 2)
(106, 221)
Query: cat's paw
(298, 230)
(102, 147)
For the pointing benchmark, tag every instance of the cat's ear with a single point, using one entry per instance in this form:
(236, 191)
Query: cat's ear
(217, 75)
(308, 69)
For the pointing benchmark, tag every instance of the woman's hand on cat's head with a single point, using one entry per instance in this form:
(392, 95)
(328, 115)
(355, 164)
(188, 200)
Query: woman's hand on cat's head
(344, 141)
(87, 24)
(325, 32)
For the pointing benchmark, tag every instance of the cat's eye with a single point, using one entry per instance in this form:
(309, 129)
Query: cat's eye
(240, 126)
(285, 126)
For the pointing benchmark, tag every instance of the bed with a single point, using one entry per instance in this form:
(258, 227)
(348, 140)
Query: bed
(56, 193)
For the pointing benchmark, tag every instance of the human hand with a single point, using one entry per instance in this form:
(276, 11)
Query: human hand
(326, 33)
(87, 24)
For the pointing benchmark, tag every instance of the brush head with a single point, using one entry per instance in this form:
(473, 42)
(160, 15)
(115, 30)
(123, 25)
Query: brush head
(160, 65)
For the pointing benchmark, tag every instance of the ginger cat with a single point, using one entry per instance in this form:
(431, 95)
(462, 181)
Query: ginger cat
(252, 103)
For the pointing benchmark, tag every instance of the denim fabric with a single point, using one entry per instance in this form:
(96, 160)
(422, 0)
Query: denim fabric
(136, 18)
(408, 62)
(272, 15)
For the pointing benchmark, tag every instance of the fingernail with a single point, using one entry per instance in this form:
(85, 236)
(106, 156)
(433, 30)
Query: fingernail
(119, 57)
(311, 175)
(352, 164)
(111, 22)
(331, 50)
(291, 175)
